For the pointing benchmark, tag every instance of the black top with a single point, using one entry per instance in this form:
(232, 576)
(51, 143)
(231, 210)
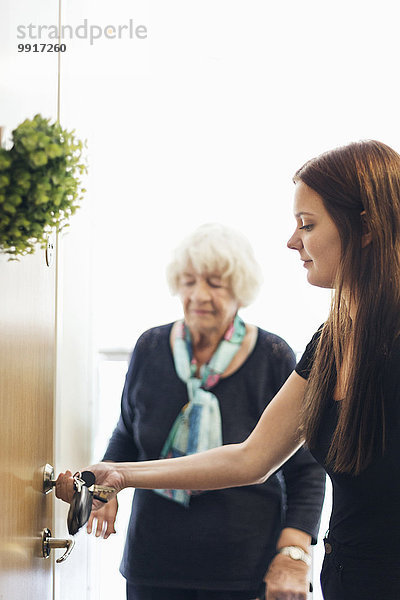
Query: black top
(366, 508)
(226, 538)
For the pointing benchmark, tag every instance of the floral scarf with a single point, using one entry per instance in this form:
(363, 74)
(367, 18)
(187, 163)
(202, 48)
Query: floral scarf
(198, 425)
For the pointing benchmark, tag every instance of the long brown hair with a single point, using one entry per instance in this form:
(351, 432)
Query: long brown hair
(362, 177)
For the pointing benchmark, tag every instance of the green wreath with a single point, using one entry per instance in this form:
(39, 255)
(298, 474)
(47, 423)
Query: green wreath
(40, 185)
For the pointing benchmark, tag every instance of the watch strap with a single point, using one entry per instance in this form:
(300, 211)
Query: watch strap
(296, 553)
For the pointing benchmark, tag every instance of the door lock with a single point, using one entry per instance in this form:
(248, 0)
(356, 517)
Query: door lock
(48, 482)
(48, 543)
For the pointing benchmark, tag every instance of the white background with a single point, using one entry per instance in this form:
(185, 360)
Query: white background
(207, 120)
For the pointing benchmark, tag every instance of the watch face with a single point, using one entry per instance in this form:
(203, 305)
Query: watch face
(296, 553)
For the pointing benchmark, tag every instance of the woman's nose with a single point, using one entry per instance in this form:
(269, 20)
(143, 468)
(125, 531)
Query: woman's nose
(200, 291)
(295, 243)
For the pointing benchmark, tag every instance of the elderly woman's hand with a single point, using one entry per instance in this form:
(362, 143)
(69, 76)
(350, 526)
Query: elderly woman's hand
(287, 579)
(104, 519)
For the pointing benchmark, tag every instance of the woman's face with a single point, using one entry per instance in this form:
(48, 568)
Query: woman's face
(316, 237)
(209, 305)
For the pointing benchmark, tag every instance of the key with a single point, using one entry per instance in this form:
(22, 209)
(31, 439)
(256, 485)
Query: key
(100, 492)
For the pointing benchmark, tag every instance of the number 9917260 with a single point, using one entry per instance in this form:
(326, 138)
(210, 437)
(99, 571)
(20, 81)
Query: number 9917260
(42, 47)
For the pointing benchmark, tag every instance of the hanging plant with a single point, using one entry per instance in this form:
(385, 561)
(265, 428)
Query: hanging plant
(40, 185)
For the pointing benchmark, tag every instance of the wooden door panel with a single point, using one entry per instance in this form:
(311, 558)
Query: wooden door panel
(31, 84)
(27, 333)
(27, 371)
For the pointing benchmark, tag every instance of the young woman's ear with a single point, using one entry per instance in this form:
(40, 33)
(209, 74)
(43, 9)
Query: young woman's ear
(366, 234)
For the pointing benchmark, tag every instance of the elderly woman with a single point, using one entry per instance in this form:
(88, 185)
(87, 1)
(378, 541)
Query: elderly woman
(196, 384)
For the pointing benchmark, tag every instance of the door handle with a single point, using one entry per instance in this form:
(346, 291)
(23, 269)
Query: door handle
(49, 543)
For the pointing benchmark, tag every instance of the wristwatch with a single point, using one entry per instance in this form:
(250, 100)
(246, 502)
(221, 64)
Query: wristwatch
(296, 553)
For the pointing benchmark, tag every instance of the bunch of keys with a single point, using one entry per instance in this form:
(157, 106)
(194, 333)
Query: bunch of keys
(86, 491)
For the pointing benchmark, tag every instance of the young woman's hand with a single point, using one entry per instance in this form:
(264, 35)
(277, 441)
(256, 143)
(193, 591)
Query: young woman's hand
(65, 486)
(106, 473)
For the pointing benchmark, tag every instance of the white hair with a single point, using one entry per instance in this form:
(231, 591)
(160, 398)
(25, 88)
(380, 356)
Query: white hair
(215, 248)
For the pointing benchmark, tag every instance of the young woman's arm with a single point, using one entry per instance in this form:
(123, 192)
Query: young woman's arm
(273, 440)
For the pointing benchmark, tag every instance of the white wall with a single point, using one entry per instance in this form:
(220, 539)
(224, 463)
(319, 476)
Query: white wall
(207, 120)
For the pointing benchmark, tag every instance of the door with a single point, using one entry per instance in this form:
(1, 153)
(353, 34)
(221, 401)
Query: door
(27, 372)
(28, 85)
(45, 320)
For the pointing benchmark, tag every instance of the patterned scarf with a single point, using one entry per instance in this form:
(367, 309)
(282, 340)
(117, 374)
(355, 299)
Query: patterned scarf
(198, 426)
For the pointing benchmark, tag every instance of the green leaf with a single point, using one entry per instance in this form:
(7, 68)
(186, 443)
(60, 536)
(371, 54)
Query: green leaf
(9, 208)
(4, 181)
(38, 159)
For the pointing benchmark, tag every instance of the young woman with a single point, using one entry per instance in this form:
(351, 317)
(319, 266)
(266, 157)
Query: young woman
(343, 399)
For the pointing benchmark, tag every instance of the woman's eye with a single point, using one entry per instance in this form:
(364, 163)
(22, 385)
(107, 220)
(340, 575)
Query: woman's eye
(306, 227)
(215, 283)
(188, 282)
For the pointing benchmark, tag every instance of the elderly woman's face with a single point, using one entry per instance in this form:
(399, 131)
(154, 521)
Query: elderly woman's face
(208, 302)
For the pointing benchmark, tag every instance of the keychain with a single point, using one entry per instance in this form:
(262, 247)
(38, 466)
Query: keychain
(86, 491)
